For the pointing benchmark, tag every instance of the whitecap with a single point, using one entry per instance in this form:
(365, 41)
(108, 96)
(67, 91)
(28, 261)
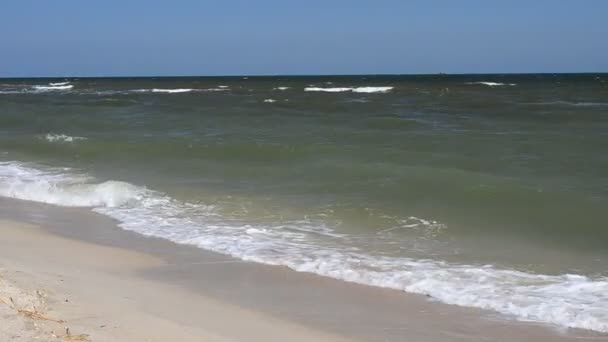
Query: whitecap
(372, 89)
(62, 138)
(493, 84)
(328, 90)
(355, 90)
(172, 91)
(59, 83)
(162, 90)
(574, 104)
(215, 89)
(270, 101)
(47, 88)
(280, 88)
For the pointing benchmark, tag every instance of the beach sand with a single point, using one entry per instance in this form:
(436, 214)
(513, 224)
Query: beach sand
(69, 268)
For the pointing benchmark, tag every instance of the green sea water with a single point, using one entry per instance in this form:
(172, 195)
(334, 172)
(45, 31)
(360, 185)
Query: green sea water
(502, 170)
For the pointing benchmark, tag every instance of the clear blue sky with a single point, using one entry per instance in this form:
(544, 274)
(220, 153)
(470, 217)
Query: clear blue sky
(250, 37)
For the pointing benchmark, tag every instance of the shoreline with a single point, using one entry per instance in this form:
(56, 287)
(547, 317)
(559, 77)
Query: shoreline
(187, 293)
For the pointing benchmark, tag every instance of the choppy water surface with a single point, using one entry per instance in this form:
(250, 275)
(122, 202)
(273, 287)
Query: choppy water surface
(488, 191)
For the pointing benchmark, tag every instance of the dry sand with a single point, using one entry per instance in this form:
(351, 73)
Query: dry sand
(95, 290)
(70, 268)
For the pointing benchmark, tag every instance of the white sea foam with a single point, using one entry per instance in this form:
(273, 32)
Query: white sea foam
(270, 100)
(59, 83)
(215, 89)
(568, 300)
(177, 90)
(172, 91)
(372, 89)
(280, 88)
(493, 84)
(574, 104)
(355, 90)
(222, 86)
(52, 87)
(62, 138)
(328, 90)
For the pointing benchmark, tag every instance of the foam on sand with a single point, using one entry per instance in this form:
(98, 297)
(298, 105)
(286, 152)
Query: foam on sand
(567, 300)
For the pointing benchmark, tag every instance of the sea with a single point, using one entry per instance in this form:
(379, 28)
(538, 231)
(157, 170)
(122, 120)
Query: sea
(484, 191)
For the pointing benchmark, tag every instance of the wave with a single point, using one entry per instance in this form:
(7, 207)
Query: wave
(62, 138)
(53, 87)
(270, 100)
(169, 91)
(493, 84)
(567, 103)
(59, 83)
(355, 90)
(178, 90)
(328, 90)
(568, 300)
(280, 88)
(372, 89)
(216, 89)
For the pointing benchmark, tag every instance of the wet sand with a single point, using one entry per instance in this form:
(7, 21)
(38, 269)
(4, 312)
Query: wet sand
(112, 285)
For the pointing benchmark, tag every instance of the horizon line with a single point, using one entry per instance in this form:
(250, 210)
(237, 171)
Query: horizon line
(315, 75)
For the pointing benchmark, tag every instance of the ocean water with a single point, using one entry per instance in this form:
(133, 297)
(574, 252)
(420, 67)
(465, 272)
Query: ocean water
(485, 191)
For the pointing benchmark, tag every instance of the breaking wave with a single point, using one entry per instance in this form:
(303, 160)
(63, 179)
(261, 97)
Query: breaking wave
(355, 90)
(493, 84)
(62, 138)
(53, 87)
(568, 300)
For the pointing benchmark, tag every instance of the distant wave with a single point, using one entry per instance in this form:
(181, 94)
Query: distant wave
(327, 90)
(568, 300)
(493, 84)
(355, 90)
(172, 91)
(270, 100)
(59, 83)
(216, 89)
(372, 89)
(53, 87)
(360, 100)
(280, 88)
(176, 90)
(567, 103)
(62, 138)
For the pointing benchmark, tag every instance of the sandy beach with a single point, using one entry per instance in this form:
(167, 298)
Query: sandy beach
(53, 288)
(69, 274)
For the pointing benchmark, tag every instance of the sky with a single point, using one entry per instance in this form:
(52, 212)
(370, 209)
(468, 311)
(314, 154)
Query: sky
(66, 38)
